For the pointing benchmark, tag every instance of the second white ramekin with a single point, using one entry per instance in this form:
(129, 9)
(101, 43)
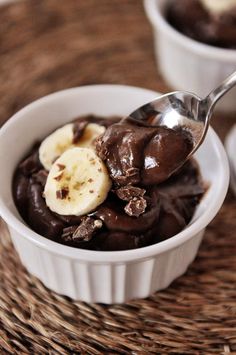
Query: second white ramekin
(92, 276)
(187, 64)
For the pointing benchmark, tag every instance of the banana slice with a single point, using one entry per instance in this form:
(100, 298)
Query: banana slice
(77, 183)
(218, 6)
(60, 140)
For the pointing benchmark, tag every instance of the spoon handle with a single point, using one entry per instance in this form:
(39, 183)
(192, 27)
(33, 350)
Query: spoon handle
(222, 89)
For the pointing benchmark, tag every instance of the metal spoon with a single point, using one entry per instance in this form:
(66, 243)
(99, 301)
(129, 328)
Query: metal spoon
(182, 109)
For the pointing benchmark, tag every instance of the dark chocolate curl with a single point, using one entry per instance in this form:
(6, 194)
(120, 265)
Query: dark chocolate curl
(84, 232)
(129, 192)
(78, 130)
(136, 207)
(115, 218)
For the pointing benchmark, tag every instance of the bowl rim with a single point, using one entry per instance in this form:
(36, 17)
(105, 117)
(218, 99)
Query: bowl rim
(115, 257)
(230, 144)
(152, 9)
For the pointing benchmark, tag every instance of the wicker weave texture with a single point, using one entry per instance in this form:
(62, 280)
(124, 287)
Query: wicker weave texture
(48, 45)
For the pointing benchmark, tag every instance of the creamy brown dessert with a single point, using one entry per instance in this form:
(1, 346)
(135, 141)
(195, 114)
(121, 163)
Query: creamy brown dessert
(108, 184)
(209, 21)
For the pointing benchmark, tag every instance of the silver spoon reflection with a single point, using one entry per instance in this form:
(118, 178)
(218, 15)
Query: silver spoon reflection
(182, 109)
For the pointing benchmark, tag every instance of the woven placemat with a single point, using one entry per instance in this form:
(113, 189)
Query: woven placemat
(48, 45)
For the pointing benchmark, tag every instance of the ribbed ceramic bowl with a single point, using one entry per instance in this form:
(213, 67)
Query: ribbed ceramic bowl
(187, 64)
(92, 276)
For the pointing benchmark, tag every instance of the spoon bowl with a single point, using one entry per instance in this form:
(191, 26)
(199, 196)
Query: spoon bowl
(174, 110)
(184, 110)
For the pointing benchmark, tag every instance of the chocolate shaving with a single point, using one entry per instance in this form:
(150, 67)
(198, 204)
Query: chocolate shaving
(63, 193)
(58, 177)
(131, 176)
(100, 148)
(84, 232)
(78, 130)
(61, 166)
(127, 193)
(136, 207)
(68, 232)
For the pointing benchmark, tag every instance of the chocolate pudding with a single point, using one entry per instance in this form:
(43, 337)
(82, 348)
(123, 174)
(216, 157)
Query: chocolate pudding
(129, 193)
(208, 21)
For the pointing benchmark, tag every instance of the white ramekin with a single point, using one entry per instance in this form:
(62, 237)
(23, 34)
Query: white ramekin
(92, 276)
(187, 64)
(230, 145)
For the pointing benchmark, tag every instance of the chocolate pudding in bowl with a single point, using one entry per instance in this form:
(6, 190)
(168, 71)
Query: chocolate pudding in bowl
(208, 21)
(108, 184)
(194, 44)
(145, 264)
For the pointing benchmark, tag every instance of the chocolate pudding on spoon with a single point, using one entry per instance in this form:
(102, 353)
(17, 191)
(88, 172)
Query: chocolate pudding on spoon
(184, 111)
